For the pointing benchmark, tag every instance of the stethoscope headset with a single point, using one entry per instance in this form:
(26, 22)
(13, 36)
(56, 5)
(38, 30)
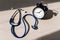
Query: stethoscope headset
(14, 25)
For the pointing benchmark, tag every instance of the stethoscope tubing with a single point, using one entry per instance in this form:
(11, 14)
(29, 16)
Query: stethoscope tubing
(13, 26)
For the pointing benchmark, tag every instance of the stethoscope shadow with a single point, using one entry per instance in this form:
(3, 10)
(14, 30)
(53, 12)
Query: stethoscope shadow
(49, 14)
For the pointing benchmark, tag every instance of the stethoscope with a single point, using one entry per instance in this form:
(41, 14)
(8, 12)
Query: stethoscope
(14, 25)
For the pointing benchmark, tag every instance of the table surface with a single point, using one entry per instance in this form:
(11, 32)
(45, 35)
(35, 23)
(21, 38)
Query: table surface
(48, 28)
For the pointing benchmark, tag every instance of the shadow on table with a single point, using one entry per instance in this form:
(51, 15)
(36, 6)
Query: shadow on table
(50, 14)
(53, 36)
(8, 4)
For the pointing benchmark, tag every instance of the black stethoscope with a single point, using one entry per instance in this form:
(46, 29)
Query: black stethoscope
(40, 8)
